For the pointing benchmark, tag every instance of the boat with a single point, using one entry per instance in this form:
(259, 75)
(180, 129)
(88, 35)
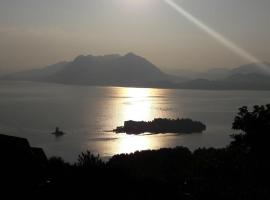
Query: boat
(58, 132)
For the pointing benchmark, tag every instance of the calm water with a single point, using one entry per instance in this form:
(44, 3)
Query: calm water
(33, 110)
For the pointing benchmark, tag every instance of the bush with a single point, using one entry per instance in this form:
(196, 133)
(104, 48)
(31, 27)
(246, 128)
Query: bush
(88, 160)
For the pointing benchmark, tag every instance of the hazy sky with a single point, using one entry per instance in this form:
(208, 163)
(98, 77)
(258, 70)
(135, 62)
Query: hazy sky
(35, 33)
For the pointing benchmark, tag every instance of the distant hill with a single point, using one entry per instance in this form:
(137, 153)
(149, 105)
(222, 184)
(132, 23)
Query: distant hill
(255, 76)
(229, 74)
(246, 77)
(108, 70)
(210, 74)
(215, 74)
(36, 74)
(253, 68)
(236, 82)
(223, 73)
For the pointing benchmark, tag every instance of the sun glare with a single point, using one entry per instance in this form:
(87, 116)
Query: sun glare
(138, 105)
(138, 93)
(132, 143)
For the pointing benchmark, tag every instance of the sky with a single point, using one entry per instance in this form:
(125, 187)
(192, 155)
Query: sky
(36, 33)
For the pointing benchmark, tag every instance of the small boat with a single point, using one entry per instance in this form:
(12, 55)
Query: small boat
(58, 132)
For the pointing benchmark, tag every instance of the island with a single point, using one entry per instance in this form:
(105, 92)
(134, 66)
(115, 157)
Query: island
(160, 125)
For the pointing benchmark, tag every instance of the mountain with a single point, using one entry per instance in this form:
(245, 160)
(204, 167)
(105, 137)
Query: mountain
(210, 74)
(236, 82)
(253, 68)
(132, 70)
(215, 74)
(108, 70)
(254, 76)
(223, 73)
(36, 74)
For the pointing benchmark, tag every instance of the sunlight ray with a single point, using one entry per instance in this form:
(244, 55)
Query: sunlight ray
(217, 36)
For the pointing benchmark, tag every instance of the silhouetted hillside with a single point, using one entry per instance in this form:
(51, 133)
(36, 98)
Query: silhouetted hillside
(22, 167)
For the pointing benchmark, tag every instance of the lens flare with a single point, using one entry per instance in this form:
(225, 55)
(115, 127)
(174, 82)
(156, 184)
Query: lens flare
(218, 36)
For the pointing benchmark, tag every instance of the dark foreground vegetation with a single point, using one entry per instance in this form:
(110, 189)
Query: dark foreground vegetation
(160, 125)
(239, 171)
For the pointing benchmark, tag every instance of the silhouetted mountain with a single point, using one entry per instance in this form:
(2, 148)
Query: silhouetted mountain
(233, 82)
(210, 74)
(256, 68)
(254, 76)
(108, 70)
(36, 74)
(215, 74)
(222, 73)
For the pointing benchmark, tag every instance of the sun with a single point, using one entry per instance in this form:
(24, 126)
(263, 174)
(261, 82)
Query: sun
(135, 3)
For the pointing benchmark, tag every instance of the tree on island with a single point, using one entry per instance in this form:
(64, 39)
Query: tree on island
(161, 125)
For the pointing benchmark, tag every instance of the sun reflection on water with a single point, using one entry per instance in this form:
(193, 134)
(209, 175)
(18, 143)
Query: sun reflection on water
(137, 105)
(132, 143)
(123, 104)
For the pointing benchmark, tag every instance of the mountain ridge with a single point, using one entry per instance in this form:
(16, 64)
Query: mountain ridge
(131, 70)
(107, 70)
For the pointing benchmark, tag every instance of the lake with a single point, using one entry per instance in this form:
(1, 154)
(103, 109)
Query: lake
(87, 114)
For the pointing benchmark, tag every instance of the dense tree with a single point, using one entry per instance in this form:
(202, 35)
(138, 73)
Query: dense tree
(255, 127)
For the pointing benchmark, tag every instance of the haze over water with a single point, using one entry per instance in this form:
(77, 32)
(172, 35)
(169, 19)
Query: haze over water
(86, 114)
